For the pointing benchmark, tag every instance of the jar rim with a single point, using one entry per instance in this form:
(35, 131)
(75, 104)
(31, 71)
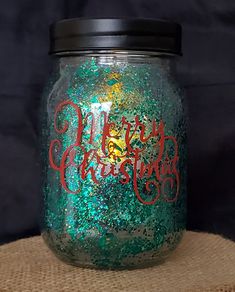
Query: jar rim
(114, 52)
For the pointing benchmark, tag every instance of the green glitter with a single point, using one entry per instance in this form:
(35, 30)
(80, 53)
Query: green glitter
(105, 225)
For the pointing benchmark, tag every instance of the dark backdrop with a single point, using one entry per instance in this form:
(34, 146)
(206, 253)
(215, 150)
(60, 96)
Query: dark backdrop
(207, 71)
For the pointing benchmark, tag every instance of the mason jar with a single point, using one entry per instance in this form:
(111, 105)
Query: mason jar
(113, 143)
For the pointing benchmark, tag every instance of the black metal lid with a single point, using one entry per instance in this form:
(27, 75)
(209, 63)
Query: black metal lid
(80, 34)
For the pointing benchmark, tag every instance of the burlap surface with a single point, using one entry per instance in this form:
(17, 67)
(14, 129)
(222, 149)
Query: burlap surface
(202, 262)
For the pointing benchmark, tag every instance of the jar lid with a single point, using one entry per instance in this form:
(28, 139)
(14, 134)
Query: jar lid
(80, 34)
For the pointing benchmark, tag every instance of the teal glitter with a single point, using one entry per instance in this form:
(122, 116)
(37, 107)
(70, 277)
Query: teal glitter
(105, 225)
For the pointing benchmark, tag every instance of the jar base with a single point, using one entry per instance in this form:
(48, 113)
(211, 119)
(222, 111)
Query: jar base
(89, 265)
(140, 261)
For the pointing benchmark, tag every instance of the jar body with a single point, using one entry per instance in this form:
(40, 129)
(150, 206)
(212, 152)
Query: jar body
(113, 158)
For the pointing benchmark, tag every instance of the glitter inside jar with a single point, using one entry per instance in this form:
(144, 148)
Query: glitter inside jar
(113, 154)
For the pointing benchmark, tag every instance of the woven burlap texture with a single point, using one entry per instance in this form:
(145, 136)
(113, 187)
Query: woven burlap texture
(202, 262)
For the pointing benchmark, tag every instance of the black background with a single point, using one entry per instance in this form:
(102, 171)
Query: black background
(207, 71)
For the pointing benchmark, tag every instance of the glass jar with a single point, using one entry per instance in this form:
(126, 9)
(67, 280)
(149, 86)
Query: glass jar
(113, 144)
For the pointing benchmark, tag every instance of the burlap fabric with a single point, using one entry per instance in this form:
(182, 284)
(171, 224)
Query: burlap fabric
(202, 262)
